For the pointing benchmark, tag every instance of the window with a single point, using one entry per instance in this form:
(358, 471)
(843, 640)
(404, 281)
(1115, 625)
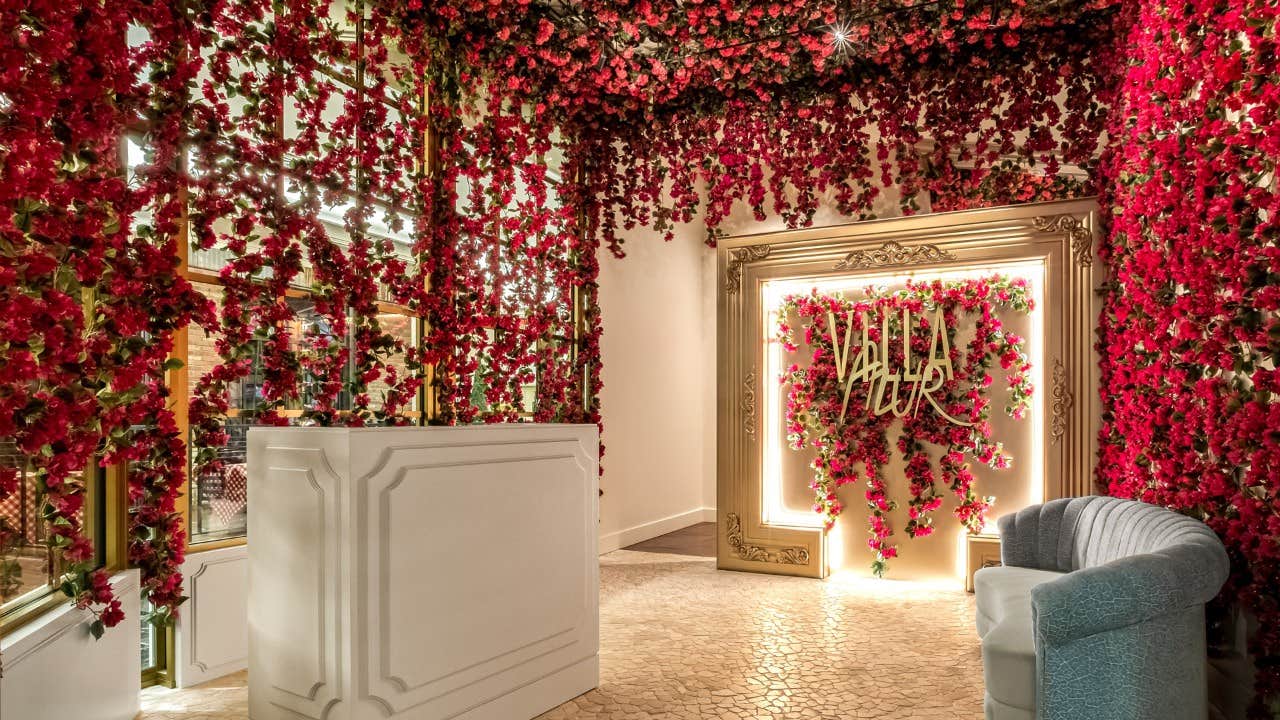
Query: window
(406, 329)
(24, 560)
(30, 570)
(516, 288)
(217, 500)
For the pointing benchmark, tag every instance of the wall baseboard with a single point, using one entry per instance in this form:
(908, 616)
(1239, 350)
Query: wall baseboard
(650, 530)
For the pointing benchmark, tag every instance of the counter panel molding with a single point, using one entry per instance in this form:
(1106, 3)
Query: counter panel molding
(422, 573)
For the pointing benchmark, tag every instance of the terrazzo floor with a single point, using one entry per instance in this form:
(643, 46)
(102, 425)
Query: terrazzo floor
(682, 640)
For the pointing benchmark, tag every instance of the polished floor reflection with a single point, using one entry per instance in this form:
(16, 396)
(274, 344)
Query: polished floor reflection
(683, 640)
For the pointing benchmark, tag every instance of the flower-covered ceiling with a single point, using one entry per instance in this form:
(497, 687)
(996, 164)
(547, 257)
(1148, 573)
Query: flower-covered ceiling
(595, 58)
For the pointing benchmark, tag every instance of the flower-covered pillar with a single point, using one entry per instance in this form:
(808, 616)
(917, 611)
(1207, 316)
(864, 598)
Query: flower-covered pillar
(1191, 331)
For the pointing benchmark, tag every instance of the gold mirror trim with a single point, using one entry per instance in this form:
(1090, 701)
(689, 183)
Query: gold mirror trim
(1060, 402)
(1080, 235)
(749, 404)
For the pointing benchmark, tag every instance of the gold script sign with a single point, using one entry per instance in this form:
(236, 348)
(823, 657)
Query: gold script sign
(874, 366)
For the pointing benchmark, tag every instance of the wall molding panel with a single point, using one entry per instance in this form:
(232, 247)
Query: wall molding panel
(54, 669)
(212, 633)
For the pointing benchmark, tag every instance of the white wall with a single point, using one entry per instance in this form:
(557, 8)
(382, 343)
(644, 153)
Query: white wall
(54, 669)
(709, 378)
(658, 400)
(658, 354)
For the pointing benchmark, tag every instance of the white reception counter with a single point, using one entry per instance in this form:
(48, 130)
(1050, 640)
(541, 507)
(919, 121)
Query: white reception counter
(422, 573)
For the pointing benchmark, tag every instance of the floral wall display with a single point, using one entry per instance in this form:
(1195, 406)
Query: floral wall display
(464, 161)
(305, 163)
(1190, 334)
(283, 138)
(895, 361)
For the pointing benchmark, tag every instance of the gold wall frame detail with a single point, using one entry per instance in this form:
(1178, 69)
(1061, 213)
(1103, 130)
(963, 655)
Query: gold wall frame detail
(1057, 236)
(756, 553)
(1060, 402)
(738, 258)
(891, 254)
(1080, 234)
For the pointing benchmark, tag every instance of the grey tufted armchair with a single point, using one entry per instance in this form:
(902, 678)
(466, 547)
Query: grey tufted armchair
(1098, 612)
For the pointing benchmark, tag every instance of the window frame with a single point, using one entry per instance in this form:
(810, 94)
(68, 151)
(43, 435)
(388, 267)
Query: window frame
(106, 522)
(424, 406)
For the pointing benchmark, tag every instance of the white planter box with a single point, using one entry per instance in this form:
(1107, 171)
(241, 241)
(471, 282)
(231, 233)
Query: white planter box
(422, 573)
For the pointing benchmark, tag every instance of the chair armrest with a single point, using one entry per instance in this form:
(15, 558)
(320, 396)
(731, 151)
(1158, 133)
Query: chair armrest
(1127, 591)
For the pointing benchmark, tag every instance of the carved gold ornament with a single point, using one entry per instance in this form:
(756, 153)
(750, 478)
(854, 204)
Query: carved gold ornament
(893, 253)
(1060, 402)
(1079, 234)
(749, 404)
(756, 553)
(738, 258)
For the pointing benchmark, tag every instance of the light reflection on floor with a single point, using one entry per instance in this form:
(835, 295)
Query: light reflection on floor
(683, 640)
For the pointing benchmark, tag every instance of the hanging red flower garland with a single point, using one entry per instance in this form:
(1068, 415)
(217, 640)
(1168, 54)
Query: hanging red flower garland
(840, 405)
(90, 294)
(1190, 333)
(693, 114)
(656, 109)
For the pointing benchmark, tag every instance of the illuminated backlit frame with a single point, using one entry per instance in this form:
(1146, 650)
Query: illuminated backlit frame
(1058, 237)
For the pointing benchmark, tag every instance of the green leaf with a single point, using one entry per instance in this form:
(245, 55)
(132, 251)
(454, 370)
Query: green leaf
(96, 629)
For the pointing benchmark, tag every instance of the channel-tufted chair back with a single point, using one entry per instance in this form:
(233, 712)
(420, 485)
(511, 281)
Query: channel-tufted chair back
(1077, 533)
